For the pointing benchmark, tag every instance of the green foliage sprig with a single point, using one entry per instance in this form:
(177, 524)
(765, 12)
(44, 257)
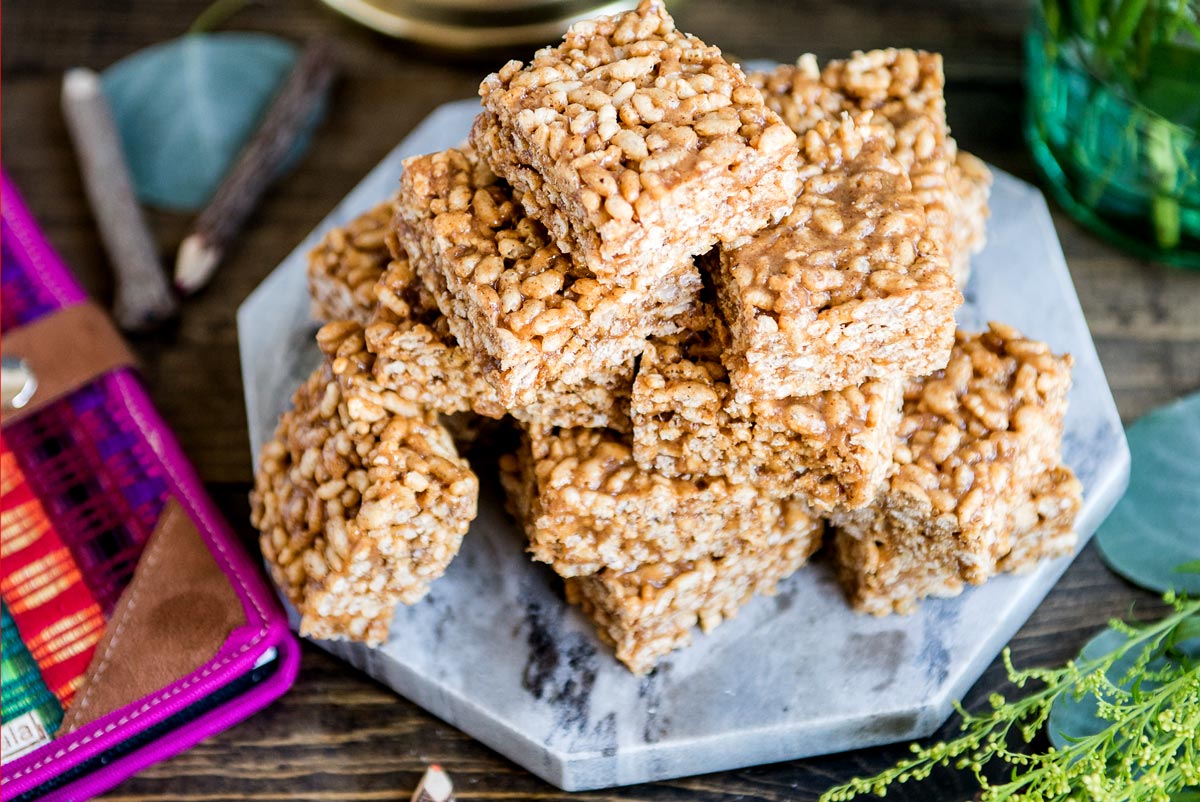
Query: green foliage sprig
(1148, 752)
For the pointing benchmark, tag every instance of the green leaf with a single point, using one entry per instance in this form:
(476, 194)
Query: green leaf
(1186, 631)
(1124, 21)
(1156, 526)
(1189, 568)
(1186, 796)
(186, 107)
(1074, 719)
(1169, 88)
(1087, 14)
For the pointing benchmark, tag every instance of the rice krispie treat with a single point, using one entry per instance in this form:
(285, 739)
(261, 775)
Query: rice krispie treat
(650, 611)
(971, 183)
(852, 285)
(361, 501)
(831, 449)
(882, 576)
(524, 311)
(798, 95)
(637, 146)
(417, 357)
(905, 91)
(1044, 524)
(586, 506)
(976, 444)
(343, 268)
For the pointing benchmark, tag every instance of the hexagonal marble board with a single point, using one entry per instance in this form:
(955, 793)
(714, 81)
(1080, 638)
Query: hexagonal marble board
(495, 651)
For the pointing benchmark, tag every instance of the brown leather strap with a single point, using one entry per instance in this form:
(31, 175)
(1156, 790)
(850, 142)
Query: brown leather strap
(65, 350)
(173, 618)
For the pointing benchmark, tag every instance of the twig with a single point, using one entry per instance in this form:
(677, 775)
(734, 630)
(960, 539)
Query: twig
(255, 169)
(435, 786)
(143, 298)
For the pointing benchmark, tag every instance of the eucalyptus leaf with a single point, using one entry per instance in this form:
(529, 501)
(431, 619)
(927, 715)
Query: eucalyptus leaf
(186, 107)
(1072, 719)
(1155, 527)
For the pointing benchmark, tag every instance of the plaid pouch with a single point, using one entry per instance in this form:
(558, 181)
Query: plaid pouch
(133, 623)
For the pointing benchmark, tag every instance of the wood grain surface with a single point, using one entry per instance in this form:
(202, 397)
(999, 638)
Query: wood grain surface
(339, 735)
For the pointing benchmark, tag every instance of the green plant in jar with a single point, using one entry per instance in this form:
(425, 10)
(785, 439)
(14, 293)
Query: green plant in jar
(1114, 118)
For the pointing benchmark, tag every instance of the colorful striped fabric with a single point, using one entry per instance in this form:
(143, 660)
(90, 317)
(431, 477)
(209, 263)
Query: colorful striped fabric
(22, 688)
(56, 614)
(82, 491)
(83, 455)
(88, 467)
(95, 470)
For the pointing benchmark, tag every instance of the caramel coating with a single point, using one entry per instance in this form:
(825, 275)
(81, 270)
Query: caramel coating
(851, 285)
(831, 450)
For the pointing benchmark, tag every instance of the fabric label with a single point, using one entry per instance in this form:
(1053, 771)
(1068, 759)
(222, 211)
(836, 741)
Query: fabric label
(23, 734)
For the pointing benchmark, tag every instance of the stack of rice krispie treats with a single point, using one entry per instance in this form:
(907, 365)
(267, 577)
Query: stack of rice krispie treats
(719, 309)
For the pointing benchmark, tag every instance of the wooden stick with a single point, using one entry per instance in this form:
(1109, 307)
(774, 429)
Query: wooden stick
(143, 298)
(435, 786)
(256, 167)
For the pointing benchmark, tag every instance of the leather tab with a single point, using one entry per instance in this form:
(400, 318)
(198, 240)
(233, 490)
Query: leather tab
(65, 350)
(175, 615)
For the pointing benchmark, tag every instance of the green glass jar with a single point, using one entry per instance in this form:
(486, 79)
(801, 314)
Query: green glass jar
(1114, 119)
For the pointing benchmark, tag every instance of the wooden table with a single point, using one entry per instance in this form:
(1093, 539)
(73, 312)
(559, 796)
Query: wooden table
(338, 734)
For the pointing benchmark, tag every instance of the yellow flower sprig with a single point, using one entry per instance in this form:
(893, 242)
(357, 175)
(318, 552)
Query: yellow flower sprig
(1148, 752)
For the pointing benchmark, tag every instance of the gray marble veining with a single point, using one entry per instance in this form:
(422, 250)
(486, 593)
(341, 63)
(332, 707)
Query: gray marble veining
(495, 651)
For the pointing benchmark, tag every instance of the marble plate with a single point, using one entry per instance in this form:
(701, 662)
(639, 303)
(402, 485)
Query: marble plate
(495, 651)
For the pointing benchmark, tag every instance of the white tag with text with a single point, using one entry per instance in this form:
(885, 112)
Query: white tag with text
(23, 734)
